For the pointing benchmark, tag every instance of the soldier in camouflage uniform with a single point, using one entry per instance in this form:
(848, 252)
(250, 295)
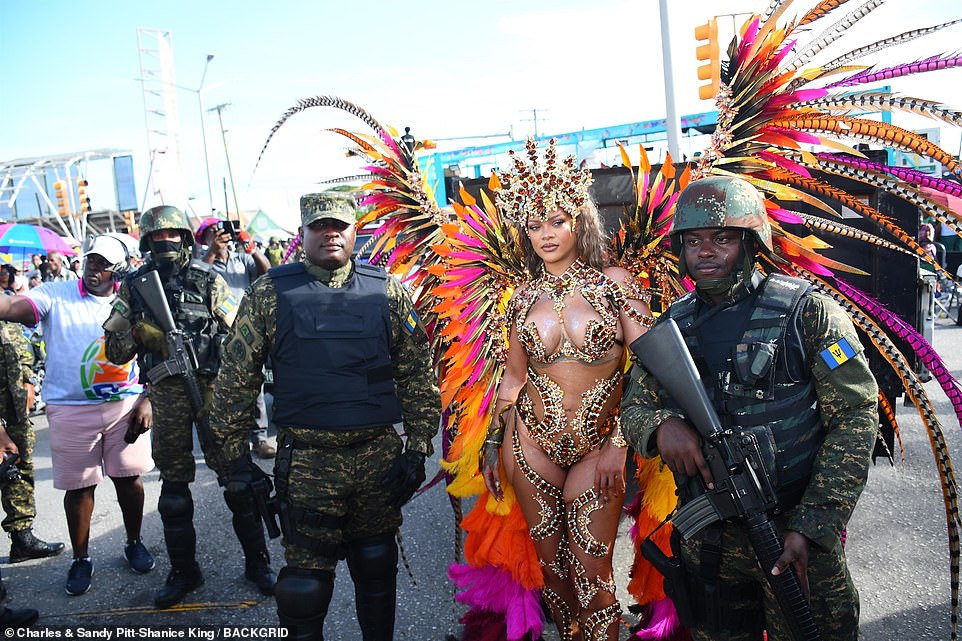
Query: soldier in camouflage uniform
(202, 306)
(350, 360)
(812, 399)
(16, 435)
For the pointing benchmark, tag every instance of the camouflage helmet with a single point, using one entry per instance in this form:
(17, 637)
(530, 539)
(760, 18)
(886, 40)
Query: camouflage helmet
(164, 217)
(721, 201)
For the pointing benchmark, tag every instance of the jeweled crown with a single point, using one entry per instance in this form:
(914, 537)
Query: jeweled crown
(532, 189)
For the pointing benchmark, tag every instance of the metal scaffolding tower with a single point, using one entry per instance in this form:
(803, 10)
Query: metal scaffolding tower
(165, 181)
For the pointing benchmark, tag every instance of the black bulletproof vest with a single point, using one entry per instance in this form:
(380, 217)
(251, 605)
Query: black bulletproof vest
(752, 360)
(189, 297)
(332, 351)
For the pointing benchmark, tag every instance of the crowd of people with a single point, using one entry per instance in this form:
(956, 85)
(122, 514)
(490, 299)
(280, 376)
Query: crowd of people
(351, 360)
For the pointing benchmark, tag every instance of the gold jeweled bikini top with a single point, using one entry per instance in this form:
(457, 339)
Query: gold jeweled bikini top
(604, 295)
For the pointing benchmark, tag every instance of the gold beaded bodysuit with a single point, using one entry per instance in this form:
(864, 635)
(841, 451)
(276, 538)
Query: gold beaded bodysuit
(568, 327)
(582, 298)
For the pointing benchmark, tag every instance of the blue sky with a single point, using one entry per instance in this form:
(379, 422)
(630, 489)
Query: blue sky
(443, 68)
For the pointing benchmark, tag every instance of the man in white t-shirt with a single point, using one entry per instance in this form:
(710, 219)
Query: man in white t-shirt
(91, 403)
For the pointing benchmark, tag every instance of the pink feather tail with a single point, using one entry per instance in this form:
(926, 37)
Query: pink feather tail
(495, 597)
(662, 624)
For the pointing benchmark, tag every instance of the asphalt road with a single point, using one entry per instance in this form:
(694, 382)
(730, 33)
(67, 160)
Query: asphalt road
(897, 547)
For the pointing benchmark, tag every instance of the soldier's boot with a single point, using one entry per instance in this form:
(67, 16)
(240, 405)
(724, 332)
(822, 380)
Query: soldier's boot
(24, 545)
(13, 619)
(373, 565)
(303, 597)
(250, 532)
(176, 507)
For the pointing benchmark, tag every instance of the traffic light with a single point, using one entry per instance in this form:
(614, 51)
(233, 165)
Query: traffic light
(711, 55)
(60, 195)
(130, 222)
(82, 198)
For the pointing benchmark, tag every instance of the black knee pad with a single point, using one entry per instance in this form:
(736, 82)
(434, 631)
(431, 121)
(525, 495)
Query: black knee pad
(175, 501)
(239, 502)
(373, 558)
(303, 594)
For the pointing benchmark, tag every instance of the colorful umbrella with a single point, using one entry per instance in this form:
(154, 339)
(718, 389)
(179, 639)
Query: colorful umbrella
(20, 238)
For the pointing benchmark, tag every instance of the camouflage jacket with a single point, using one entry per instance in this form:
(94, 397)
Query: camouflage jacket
(847, 404)
(17, 363)
(251, 341)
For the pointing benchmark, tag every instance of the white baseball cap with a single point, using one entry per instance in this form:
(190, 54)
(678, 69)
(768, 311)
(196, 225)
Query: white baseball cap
(112, 249)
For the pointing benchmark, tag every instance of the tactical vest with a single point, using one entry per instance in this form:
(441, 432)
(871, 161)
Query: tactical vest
(752, 360)
(189, 297)
(332, 351)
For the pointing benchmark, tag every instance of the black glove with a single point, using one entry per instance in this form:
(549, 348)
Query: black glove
(405, 476)
(242, 474)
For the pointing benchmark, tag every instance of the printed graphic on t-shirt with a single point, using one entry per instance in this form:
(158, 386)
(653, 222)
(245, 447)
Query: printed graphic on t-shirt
(101, 379)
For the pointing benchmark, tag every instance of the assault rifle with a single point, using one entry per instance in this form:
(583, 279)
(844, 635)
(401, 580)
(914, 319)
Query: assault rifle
(181, 359)
(742, 489)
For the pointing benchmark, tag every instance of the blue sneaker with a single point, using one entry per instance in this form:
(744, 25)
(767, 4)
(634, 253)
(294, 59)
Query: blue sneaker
(138, 558)
(78, 577)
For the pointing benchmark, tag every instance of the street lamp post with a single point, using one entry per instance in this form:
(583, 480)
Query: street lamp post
(203, 131)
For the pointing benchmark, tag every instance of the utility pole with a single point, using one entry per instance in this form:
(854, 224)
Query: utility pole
(672, 123)
(223, 133)
(533, 118)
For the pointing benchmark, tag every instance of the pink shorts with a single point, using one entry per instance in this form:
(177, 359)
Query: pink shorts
(88, 440)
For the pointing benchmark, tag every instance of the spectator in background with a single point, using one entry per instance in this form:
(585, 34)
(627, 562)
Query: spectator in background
(927, 239)
(75, 266)
(8, 274)
(19, 284)
(239, 268)
(39, 266)
(275, 253)
(58, 270)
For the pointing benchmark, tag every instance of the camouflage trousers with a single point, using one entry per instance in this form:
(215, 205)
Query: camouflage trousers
(334, 486)
(172, 436)
(834, 599)
(17, 497)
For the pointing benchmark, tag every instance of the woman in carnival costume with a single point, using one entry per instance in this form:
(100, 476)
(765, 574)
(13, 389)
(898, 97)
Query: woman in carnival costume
(555, 424)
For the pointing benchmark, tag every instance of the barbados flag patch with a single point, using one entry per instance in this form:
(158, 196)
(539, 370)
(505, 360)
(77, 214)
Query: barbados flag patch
(228, 306)
(835, 355)
(411, 322)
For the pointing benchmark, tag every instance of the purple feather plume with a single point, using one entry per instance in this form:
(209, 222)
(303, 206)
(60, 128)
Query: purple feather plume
(926, 353)
(902, 173)
(933, 63)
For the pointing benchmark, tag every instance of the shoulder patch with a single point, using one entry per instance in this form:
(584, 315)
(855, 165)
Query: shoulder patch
(121, 307)
(228, 306)
(837, 353)
(411, 322)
